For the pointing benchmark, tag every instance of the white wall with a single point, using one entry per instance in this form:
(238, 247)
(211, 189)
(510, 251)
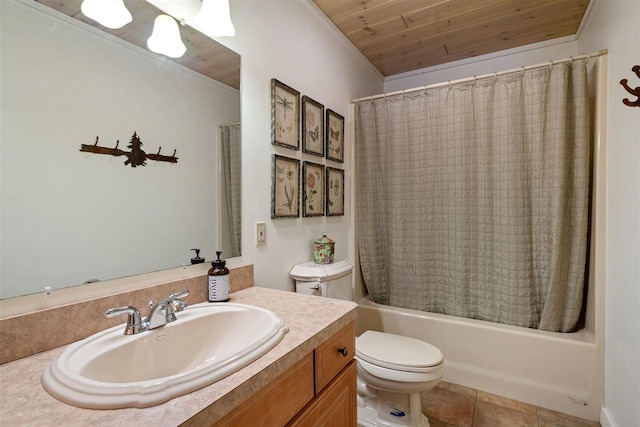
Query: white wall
(62, 86)
(289, 40)
(613, 24)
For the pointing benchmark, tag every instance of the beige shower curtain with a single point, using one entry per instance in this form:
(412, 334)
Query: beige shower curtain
(231, 137)
(472, 199)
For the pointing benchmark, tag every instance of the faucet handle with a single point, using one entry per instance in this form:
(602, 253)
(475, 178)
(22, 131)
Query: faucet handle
(179, 295)
(175, 303)
(134, 325)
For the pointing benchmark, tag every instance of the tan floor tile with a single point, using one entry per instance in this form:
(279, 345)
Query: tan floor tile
(483, 396)
(490, 415)
(438, 423)
(455, 388)
(549, 418)
(444, 405)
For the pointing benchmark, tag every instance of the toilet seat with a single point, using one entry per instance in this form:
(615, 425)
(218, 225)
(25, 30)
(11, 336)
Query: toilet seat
(397, 352)
(403, 380)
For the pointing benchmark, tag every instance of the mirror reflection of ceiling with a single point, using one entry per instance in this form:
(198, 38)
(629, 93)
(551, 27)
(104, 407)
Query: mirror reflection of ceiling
(203, 55)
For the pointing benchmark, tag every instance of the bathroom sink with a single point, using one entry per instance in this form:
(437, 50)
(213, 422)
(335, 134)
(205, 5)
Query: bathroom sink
(207, 342)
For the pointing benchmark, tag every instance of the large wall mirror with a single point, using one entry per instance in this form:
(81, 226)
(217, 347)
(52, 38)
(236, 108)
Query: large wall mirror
(69, 217)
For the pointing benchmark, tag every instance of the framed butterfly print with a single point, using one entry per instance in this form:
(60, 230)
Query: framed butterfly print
(334, 190)
(312, 127)
(285, 115)
(285, 190)
(334, 136)
(312, 189)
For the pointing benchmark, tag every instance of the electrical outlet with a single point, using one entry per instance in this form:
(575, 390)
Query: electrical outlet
(261, 233)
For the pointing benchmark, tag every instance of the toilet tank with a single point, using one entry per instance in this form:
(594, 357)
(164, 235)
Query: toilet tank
(326, 280)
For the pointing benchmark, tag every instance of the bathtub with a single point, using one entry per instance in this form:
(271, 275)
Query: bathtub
(557, 371)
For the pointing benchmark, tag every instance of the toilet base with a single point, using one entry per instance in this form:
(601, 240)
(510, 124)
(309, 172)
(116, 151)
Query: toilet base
(387, 409)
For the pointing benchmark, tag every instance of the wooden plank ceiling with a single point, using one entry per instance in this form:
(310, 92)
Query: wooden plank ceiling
(398, 36)
(204, 55)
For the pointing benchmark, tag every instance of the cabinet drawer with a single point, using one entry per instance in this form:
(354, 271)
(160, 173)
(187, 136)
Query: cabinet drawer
(334, 354)
(279, 401)
(336, 406)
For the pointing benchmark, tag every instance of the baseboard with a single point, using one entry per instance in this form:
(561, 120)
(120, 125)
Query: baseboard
(606, 420)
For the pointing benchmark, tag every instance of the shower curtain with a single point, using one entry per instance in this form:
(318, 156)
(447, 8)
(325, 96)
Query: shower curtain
(472, 199)
(231, 137)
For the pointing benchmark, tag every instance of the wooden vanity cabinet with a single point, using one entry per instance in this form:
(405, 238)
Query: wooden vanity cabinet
(335, 406)
(319, 390)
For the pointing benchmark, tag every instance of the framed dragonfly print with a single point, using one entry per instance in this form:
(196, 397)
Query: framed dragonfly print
(285, 115)
(312, 189)
(312, 127)
(334, 136)
(285, 191)
(334, 190)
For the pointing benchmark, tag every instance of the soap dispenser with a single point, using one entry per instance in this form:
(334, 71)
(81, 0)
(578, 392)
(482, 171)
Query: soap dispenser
(218, 280)
(197, 259)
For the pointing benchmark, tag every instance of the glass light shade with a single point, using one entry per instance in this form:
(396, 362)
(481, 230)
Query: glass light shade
(109, 13)
(165, 38)
(215, 19)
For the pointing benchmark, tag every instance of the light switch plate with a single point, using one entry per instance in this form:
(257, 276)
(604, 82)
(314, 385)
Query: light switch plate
(261, 233)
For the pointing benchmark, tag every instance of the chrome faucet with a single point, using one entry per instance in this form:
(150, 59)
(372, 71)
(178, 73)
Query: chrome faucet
(164, 311)
(159, 314)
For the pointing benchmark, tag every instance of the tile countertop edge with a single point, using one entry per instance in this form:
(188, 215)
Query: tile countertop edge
(311, 320)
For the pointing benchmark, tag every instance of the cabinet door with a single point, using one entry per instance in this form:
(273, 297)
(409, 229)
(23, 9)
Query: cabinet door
(336, 406)
(278, 402)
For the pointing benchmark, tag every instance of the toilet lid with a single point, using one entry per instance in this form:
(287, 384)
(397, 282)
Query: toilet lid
(397, 352)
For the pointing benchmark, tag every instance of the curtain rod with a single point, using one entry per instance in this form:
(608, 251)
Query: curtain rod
(229, 124)
(485, 76)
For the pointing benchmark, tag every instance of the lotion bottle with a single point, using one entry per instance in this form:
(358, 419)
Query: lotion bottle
(218, 280)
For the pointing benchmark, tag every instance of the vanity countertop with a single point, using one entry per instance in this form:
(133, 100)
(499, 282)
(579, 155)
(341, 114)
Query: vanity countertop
(311, 320)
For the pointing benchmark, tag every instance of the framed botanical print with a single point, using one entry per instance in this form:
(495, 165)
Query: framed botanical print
(334, 190)
(312, 189)
(312, 127)
(334, 136)
(285, 115)
(285, 191)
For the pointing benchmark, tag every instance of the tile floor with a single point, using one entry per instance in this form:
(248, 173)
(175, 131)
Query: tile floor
(451, 405)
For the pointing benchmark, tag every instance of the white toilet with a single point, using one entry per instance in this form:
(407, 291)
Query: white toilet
(392, 369)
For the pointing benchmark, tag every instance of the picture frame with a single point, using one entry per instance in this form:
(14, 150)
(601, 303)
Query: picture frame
(334, 136)
(313, 185)
(312, 127)
(285, 115)
(285, 191)
(334, 191)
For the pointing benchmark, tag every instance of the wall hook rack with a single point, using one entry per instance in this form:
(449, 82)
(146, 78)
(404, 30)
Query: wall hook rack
(135, 157)
(635, 92)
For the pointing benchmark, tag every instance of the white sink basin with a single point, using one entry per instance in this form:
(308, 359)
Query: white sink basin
(109, 370)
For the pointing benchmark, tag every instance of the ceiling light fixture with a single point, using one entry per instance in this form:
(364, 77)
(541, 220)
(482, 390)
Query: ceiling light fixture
(215, 18)
(109, 13)
(165, 38)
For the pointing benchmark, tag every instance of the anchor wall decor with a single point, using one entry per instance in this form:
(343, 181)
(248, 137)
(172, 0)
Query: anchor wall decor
(635, 92)
(135, 157)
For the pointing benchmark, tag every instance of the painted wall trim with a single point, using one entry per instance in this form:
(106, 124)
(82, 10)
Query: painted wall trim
(606, 419)
(585, 17)
(482, 58)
